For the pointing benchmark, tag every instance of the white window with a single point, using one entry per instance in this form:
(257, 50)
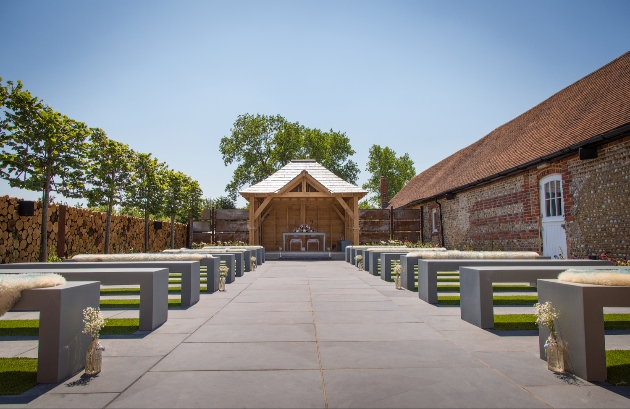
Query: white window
(434, 220)
(552, 198)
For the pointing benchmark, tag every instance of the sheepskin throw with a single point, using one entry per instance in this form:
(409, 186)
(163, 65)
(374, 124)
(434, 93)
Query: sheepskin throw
(474, 255)
(11, 286)
(141, 257)
(615, 277)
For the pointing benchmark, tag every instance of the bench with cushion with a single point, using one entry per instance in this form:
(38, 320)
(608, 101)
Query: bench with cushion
(580, 325)
(211, 263)
(476, 294)
(153, 284)
(62, 345)
(428, 269)
(188, 269)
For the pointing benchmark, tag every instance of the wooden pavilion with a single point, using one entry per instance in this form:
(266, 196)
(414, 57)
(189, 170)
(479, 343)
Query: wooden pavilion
(303, 193)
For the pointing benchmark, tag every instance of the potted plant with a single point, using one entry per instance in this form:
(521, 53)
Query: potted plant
(252, 261)
(94, 322)
(545, 315)
(328, 250)
(223, 270)
(280, 250)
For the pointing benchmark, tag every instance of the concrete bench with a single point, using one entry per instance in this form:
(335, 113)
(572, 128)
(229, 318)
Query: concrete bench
(428, 269)
(188, 269)
(153, 287)
(242, 257)
(580, 325)
(211, 263)
(373, 256)
(62, 345)
(386, 264)
(258, 250)
(476, 294)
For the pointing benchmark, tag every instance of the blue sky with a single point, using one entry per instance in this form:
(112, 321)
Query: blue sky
(423, 77)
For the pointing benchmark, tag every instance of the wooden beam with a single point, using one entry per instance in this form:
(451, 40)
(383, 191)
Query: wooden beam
(252, 230)
(345, 206)
(338, 212)
(355, 232)
(262, 206)
(303, 194)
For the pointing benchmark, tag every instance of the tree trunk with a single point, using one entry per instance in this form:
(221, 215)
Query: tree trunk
(146, 231)
(173, 231)
(108, 224)
(190, 232)
(43, 249)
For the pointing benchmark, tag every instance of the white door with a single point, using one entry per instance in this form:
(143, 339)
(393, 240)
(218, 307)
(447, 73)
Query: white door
(554, 236)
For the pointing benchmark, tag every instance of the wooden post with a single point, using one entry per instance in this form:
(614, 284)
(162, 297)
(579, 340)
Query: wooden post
(251, 225)
(355, 231)
(61, 232)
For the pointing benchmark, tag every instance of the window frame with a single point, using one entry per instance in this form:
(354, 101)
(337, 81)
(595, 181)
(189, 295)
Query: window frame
(558, 198)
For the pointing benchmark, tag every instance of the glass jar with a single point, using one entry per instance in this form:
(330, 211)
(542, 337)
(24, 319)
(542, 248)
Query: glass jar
(94, 357)
(398, 281)
(222, 284)
(555, 354)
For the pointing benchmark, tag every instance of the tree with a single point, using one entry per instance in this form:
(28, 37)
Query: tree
(109, 171)
(42, 150)
(262, 144)
(146, 189)
(223, 202)
(174, 197)
(193, 205)
(397, 170)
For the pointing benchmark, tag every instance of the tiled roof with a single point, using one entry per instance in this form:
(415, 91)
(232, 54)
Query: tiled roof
(290, 171)
(593, 105)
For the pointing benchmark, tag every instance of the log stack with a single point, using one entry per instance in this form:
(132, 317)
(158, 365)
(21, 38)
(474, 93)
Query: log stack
(84, 232)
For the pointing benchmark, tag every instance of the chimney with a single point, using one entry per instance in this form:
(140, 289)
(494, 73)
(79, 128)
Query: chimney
(384, 195)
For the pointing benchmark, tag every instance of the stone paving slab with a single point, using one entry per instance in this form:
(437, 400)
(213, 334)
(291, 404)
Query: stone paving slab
(319, 334)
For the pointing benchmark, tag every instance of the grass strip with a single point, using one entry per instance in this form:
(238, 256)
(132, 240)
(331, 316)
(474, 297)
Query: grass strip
(134, 304)
(17, 375)
(447, 280)
(618, 367)
(524, 288)
(497, 299)
(30, 328)
(517, 322)
(132, 291)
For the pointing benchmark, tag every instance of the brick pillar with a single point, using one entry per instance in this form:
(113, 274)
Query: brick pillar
(384, 195)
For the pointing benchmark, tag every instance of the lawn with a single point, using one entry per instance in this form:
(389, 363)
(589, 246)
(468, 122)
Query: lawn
(497, 299)
(516, 322)
(30, 328)
(133, 304)
(17, 375)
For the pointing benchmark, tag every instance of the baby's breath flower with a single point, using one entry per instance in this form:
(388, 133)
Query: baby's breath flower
(93, 320)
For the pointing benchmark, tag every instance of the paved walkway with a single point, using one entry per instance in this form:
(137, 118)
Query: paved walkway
(321, 334)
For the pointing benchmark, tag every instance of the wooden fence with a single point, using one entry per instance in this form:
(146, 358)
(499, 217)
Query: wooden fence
(375, 225)
(386, 224)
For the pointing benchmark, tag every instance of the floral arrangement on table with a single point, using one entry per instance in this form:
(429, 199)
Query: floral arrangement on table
(545, 316)
(252, 261)
(303, 228)
(94, 322)
(359, 260)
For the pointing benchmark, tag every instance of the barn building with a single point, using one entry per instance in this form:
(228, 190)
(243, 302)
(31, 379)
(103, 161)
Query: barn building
(556, 179)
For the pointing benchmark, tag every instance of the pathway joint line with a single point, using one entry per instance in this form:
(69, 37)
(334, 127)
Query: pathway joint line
(319, 358)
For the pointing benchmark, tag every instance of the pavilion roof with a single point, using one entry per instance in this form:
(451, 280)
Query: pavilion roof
(293, 169)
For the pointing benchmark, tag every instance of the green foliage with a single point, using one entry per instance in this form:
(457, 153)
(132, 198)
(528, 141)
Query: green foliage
(174, 197)
(223, 202)
(194, 204)
(397, 170)
(108, 172)
(53, 258)
(262, 144)
(17, 375)
(367, 205)
(42, 150)
(145, 189)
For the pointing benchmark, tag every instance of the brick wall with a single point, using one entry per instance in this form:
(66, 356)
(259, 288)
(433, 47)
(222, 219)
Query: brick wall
(505, 215)
(84, 232)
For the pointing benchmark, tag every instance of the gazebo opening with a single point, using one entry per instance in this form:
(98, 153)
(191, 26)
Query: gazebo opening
(303, 207)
